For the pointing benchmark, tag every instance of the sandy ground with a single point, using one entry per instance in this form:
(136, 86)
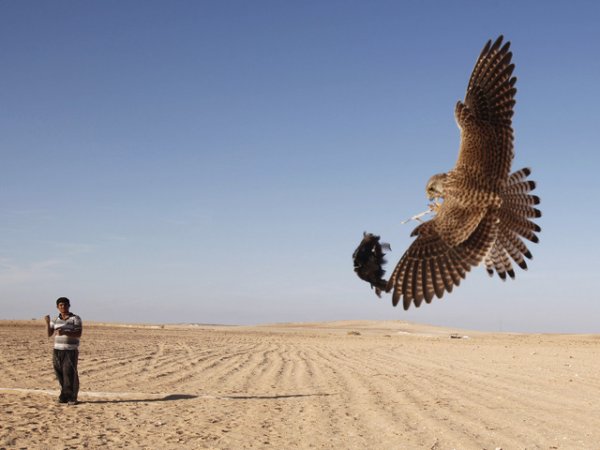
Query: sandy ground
(375, 385)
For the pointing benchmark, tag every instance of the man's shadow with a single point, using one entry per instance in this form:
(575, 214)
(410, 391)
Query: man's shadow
(223, 397)
(167, 398)
(271, 397)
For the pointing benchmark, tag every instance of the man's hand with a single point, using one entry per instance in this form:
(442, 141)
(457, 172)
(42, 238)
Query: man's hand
(68, 331)
(49, 329)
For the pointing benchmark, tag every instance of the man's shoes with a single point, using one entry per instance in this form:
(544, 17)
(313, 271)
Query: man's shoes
(61, 401)
(73, 402)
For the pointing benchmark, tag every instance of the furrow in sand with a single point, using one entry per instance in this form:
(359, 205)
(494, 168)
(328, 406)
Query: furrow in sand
(383, 414)
(176, 358)
(234, 371)
(319, 418)
(499, 380)
(477, 399)
(20, 353)
(341, 420)
(440, 411)
(444, 417)
(263, 373)
(515, 372)
(295, 405)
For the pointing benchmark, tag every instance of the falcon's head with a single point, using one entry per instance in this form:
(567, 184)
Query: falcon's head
(435, 186)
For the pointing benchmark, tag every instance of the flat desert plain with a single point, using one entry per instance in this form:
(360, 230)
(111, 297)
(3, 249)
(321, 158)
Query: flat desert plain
(355, 385)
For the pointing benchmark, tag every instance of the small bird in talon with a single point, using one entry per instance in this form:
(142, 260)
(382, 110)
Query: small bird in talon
(369, 261)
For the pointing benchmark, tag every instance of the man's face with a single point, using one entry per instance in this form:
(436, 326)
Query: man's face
(63, 308)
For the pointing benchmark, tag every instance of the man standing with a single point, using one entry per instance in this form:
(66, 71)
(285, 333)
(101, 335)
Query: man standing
(67, 327)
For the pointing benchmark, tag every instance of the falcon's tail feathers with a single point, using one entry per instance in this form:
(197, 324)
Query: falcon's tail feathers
(369, 261)
(515, 213)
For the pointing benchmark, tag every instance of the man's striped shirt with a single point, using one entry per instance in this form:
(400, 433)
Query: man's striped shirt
(71, 323)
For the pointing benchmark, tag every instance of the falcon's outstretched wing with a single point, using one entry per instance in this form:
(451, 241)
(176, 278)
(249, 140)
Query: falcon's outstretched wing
(431, 266)
(485, 118)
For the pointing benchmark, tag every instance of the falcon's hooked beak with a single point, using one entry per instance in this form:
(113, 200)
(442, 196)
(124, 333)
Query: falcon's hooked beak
(435, 187)
(435, 190)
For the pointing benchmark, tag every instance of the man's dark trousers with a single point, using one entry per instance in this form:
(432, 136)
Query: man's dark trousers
(65, 367)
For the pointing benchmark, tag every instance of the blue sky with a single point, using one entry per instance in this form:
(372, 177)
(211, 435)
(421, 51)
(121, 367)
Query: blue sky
(217, 162)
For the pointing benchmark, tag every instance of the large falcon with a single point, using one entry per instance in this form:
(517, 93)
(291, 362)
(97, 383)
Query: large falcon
(486, 210)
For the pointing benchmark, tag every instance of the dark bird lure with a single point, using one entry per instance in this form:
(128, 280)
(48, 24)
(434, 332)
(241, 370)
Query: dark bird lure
(369, 260)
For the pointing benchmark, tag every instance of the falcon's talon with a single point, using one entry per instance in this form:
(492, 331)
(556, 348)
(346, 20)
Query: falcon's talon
(435, 206)
(416, 217)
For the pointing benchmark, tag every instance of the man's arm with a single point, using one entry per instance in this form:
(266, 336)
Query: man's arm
(49, 329)
(73, 329)
(73, 333)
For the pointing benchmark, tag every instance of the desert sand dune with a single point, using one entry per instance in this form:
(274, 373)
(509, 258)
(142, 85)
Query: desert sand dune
(380, 385)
